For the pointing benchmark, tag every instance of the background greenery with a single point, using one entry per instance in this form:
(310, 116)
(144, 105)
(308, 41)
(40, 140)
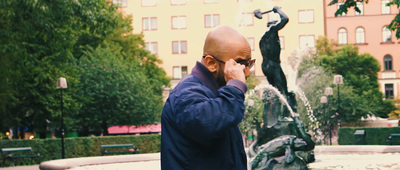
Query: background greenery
(50, 149)
(373, 136)
(111, 78)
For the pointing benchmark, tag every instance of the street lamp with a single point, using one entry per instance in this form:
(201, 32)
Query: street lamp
(323, 100)
(329, 92)
(62, 84)
(338, 79)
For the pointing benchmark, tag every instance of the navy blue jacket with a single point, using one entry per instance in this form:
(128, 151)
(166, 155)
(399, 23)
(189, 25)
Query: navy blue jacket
(200, 124)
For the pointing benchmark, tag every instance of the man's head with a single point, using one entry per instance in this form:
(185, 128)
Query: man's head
(222, 44)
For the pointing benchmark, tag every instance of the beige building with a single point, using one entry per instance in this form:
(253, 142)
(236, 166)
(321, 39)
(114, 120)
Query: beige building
(175, 29)
(368, 31)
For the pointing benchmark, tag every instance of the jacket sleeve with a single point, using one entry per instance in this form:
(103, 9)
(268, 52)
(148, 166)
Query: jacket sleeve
(204, 118)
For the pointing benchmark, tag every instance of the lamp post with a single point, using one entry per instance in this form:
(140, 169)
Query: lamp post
(62, 84)
(323, 100)
(329, 92)
(338, 79)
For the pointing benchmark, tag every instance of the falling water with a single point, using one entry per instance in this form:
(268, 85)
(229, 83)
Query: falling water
(263, 87)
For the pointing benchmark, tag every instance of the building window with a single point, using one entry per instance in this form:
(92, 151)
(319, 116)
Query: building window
(338, 6)
(282, 42)
(360, 6)
(342, 36)
(211, 1)
(246, 19)
(360, 35)
(211, 20)
(251, 43)
(385, 9)
(178, 2)
(180, 72)
(387, 62)
(152, 47)
(307, 41)
(149, 23)
(149, 2)
(386, 35)
(120, 3)
(389, 91)
(306, 16)
(179, 22)
(179, 47)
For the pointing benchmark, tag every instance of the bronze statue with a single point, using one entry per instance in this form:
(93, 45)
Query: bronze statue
(271, 50)
(282, 141)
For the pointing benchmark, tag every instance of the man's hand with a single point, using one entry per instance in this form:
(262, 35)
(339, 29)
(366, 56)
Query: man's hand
(234, 70)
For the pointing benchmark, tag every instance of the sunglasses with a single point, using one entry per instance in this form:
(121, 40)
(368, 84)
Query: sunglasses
(248, 63)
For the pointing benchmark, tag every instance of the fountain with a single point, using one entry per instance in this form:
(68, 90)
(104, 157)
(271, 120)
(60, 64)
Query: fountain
(282, 141)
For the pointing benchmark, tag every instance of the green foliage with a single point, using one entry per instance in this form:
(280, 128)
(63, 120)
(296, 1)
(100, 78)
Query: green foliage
(50, 149)
(359, 95)
(254, 111)
(394, 24)
(117, 92)
(326, 46)
(373, 136)
(360, 72)
(37, 42)
(43, 40)
(395, 114)
(252, 82)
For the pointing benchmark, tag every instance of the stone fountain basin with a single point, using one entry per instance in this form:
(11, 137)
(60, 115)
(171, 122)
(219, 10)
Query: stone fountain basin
(327, 157)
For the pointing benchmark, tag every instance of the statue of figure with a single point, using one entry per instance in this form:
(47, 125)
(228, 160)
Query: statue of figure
(282, 141)
(271, 50)
(271, 65)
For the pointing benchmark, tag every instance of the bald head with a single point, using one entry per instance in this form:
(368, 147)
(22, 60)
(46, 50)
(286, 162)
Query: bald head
(225, 43)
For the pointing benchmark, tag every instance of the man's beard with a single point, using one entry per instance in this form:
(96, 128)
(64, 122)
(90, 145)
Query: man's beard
(220, 76)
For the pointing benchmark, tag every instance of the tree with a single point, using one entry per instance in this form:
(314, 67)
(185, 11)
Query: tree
(360, 71)
(43, 40)
(359, 95)
(394, 25)
(37, 41)
(117, 92)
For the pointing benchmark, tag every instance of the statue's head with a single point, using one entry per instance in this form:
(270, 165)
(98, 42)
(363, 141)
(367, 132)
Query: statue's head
(271, 23)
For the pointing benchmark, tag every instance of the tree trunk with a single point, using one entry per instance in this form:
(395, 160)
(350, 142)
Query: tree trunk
(105, 128)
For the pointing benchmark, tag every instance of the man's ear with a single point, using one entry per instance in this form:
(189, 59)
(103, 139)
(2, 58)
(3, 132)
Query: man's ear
(211, 64)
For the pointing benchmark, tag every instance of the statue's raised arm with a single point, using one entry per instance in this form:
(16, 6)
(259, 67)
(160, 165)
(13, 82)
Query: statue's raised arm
(283, 16)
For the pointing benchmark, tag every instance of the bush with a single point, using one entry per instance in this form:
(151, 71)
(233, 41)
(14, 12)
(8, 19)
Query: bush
(50, 149)
(373, 136)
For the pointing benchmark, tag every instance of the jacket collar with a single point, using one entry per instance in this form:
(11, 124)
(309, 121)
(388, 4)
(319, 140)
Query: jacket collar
(205, 76)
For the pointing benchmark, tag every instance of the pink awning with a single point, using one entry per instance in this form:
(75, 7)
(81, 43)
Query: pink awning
(135, 129)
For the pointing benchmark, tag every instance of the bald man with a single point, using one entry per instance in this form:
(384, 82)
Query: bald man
(200, 118)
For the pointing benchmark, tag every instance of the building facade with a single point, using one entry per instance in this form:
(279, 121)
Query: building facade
(367, 30)
(175, 31)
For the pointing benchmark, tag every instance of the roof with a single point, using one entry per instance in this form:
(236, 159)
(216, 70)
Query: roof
(125, 129)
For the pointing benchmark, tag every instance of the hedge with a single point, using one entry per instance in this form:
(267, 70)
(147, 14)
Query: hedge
(50, 149)
(373, 135)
